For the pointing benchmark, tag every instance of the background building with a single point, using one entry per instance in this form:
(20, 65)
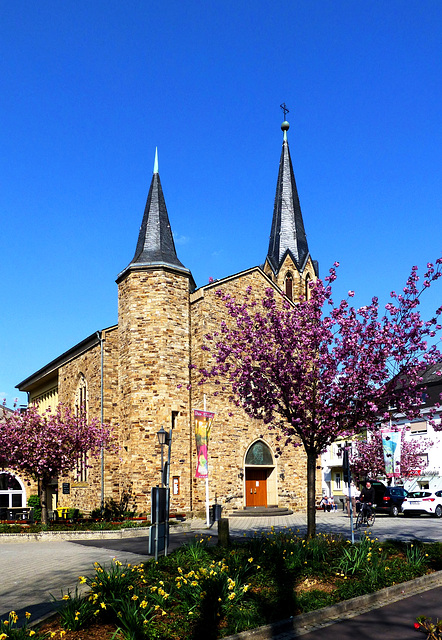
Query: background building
(429, 473)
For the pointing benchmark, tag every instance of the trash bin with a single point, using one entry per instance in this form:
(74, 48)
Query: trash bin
(216, 510)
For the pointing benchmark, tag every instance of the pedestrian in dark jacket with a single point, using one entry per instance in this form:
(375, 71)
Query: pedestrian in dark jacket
(367, 498)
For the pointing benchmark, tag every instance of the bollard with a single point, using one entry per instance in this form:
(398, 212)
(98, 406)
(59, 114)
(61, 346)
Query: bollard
(223, 532)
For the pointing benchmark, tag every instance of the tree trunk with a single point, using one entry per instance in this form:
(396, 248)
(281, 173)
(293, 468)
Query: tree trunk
(43, 502)
(311, 494)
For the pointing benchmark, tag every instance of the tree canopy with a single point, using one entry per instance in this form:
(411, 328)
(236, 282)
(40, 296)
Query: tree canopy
(316, 371)
(367, 457)
(49, 444)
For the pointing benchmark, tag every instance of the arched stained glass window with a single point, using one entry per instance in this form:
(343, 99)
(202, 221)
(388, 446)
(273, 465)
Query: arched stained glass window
(81, 396)
(259, 453)
(307, 287)
(81, 409)
(289, 286)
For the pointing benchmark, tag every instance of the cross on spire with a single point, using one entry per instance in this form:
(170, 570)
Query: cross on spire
(284, 108)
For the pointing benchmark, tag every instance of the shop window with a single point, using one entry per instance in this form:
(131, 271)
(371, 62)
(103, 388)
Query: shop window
(12, 493)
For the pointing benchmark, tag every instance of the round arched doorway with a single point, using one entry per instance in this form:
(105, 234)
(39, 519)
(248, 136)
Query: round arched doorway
(12, 493)
(260, 483)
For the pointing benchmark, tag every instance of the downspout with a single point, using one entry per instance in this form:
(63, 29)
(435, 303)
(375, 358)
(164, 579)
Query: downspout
(101, 339)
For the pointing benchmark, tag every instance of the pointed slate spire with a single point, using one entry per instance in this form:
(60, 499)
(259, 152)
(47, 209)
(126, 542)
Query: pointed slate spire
(288, 233)
(155, 246)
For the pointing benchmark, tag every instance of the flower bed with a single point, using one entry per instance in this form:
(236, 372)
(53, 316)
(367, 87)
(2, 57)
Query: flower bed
(203, 591)
(86, 525)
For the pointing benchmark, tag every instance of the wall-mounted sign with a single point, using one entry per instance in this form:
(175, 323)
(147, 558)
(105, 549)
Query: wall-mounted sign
(66, 487)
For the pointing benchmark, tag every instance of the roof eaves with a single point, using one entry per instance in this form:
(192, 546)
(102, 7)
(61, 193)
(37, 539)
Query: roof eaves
(51, 368)
(240, 274)
(153, 266)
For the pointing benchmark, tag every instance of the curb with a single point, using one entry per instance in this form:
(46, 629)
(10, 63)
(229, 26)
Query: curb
(306, 622)
(61, 536)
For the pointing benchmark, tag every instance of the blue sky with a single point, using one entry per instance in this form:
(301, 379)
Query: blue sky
(90, 89)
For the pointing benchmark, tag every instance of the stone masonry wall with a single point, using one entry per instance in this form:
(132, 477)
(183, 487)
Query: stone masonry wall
(147, 378)
(86, 495)
(153, 371)
(299, 279)
(233, 431)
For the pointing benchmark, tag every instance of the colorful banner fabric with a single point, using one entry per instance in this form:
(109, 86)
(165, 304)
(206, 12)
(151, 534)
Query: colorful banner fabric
(203, 423)
(391, 445)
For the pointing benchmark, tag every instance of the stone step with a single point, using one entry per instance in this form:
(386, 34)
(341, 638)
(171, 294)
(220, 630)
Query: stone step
(260, 512)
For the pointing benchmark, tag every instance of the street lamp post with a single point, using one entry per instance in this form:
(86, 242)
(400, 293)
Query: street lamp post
(160, 499)
(163, 438)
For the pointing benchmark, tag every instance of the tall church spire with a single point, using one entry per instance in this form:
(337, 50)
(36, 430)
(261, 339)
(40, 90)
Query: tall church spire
(287, 233)
(155, 246)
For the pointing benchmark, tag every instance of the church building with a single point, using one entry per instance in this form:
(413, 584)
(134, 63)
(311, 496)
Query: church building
(136, 375)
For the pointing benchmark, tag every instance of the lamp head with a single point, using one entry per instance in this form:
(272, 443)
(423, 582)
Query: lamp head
(162, 436)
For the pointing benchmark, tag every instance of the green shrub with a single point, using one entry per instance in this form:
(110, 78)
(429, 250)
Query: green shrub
(34, 503)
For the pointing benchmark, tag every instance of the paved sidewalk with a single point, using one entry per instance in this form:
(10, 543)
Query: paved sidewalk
(31, 571)
(390, 622)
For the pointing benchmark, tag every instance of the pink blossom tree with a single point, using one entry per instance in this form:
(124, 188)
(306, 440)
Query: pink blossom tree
(49, 444)
(316, 371)
(367, 457)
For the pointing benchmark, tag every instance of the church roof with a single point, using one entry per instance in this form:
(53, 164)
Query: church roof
(155, 246)
(50, 370)
(288, 233)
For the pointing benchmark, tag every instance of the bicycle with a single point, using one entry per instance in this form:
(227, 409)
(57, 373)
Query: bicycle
(366, 517)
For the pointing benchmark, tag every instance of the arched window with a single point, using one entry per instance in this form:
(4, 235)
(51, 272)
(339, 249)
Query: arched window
(307, 292)
(259, 454)
(81, 408)
(12, 493)
(81, 396)
(289, 286)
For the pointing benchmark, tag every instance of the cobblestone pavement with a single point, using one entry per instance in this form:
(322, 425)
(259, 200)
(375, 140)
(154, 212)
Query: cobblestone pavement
(31, 571)
(422, 528)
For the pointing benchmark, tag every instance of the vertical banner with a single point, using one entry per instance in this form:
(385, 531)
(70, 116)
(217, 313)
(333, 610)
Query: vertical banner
(203, 423)
(391, 446)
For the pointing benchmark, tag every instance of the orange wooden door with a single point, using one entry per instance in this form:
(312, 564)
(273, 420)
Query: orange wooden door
(256, 487)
